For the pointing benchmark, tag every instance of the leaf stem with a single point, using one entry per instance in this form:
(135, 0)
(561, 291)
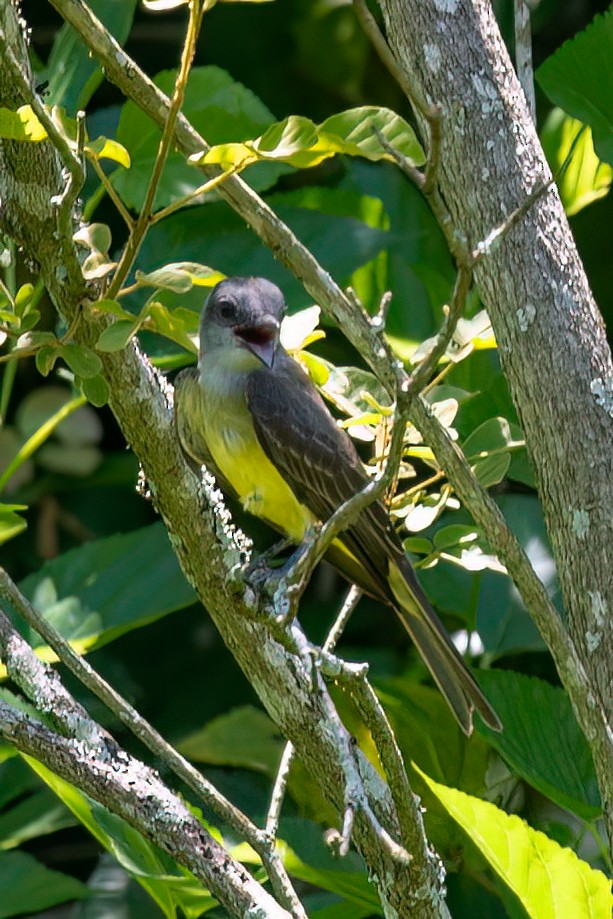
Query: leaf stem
(39, 437)
(196, 12)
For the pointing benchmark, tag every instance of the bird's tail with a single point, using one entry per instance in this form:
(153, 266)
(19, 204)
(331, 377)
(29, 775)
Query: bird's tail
(449, 671)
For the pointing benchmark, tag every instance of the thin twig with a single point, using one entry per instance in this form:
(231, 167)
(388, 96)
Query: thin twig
(108, 187)
(203, 189)
(372, 30)
(377, 722)
(352, 598)
(279, 788)
(135, 240)
(39, 437)
(278, 792)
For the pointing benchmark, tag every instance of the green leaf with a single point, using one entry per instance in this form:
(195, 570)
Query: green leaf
(578, 77)
(243, 738)
(418, 545)
(74, 73)
(360, 128)
(428, 735)
(94, 236)
(490, 444)
(169, 884)
(541, 740)
(455, 535)
(34, 815)
(220, 108)
(180, 277)
(97, 592)
(116, 336)
(416, 264)
(354, 886)
(29, 887)
(81, 360)
(298, 142)
(492, 470)
(585, 179)
(46, 358)
(22, 124)
(96, 390)
(41, 338)
(30, 320)
(317, 368)
(112, 307)
(495, 434)
(23, 298)
(170, 325)
(80, 428)
(549, 881)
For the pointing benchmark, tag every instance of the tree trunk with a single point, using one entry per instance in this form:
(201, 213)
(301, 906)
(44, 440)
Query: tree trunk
(550, 334)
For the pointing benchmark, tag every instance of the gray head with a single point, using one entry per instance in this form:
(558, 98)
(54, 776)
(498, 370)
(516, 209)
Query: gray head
(243, 315)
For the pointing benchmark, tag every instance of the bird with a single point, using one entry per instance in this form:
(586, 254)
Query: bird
(252, 416)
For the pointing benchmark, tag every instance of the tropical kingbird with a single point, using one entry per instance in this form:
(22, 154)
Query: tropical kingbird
(253, 417)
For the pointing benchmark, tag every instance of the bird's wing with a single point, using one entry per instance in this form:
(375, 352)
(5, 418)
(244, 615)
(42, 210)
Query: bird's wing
(320, 463)
(189, 408)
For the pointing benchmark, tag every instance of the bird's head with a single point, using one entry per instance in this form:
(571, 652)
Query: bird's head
(243, 315)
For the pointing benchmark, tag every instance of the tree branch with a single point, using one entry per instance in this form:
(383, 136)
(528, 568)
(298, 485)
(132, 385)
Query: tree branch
(87, 756)
(550, 336)
(261, 842)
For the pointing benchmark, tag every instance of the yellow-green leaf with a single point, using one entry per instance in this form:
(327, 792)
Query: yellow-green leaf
(11, 524)
(586, 178)
(116, 336)
(550, 881)
(367, 132)
(317, 368)
(112, 307)
(165, 323)
(180, 277)
(21, 125)
(104, 148)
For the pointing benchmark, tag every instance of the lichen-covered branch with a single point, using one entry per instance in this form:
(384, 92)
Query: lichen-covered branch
(84, 754)
(550, 335)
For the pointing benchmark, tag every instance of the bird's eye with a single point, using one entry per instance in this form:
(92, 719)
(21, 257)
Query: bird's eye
(225, 310)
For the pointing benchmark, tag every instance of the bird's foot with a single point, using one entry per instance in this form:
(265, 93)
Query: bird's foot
(266, 565)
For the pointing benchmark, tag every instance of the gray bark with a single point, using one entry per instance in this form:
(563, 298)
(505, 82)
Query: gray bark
(550, 335)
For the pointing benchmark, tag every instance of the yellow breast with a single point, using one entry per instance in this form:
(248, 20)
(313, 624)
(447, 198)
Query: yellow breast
(234, 446)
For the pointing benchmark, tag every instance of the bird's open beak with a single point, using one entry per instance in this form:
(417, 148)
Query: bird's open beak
(260, 339)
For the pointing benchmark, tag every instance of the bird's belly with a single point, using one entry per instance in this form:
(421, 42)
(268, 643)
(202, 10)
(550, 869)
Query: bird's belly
(261, 489)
